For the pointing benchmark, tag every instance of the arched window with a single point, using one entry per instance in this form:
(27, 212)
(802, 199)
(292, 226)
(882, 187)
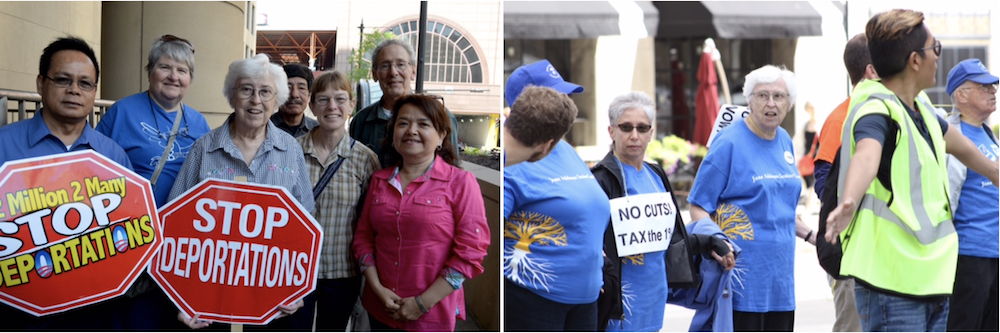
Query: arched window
(449, 55)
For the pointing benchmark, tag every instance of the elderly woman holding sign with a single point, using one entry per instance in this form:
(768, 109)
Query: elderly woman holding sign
(749, 185)
(635, 287)
(248, 147)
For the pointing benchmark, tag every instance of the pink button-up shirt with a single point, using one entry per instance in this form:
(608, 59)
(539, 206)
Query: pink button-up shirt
(438, 221)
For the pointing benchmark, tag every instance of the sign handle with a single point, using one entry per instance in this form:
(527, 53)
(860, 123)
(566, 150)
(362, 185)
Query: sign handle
(238, 327)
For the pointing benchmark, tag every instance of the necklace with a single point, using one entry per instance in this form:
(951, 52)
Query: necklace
(757, 130)
(157, 122)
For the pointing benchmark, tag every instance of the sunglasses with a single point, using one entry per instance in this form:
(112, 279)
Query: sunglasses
(936, 47)
(627, 128)
(171, 38)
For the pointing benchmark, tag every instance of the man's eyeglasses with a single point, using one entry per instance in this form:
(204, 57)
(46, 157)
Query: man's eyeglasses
(400, 66)
(171, 38)
(763, 96)
(627, 128)
(986, 87)
(936, 47)
(63, 82)
(247, 92)
(324, 101)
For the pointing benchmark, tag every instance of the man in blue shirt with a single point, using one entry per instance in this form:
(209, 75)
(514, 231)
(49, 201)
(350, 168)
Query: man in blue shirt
(67, 82)
(974, 201)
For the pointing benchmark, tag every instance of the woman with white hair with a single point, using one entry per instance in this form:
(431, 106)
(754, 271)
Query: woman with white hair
(749, 185)
(635, 286)
(248, 145)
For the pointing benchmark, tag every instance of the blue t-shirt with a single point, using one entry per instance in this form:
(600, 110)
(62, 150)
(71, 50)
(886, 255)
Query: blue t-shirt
(556, 214)
(142, 128)
(977, 219)
(753, 186)
(32, 138)
(644, 276)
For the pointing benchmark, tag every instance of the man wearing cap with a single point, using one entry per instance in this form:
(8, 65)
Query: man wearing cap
(556, 214)
(541, 118)
(291, 117)
(974, 201)
(394, 64)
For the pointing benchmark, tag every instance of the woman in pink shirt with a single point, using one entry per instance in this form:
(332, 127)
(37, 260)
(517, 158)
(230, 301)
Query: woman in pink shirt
(422, 230)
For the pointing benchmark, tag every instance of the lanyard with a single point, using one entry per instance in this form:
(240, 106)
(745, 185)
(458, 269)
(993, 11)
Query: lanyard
(624, 182)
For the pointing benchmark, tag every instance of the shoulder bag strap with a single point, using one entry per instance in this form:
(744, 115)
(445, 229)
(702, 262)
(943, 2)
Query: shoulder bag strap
(328, 174)
(170, 146)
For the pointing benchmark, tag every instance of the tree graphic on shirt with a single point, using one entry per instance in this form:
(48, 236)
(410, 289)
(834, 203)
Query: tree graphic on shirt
(733, 221)
(635, 259)
(531, 229)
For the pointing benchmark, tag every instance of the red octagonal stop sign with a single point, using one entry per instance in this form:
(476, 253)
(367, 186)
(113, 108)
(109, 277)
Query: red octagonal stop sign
(75, 229)
(233, 252)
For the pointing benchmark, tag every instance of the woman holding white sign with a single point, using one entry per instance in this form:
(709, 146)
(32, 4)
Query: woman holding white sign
(644, 224)
(749, 185)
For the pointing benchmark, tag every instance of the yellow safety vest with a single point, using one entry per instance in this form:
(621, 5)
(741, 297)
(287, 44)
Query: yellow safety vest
(902, 241)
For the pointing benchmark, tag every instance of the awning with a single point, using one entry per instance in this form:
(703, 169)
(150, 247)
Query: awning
(574, 19)
(738, 19)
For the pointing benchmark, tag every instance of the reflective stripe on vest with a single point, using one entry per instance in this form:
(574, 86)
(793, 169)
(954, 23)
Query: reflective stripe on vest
(928, 233)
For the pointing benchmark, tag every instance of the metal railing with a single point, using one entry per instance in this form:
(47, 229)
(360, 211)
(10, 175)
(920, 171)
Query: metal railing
(23, 98)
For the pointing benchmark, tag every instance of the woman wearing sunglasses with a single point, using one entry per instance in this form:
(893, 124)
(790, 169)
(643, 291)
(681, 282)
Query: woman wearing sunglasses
(635, 285)
(156, 130)
(749, 185)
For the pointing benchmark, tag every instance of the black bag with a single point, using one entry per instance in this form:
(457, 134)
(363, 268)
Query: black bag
(829, 255)
(682, 267)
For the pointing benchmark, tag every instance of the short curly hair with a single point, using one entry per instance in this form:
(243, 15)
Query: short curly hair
(540, 114)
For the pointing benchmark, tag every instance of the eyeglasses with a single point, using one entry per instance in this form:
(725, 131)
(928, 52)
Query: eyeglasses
(247, 92)
(936, 47)
(986, 87)
(63, 82)
(763, 96)
(437, 97)
(400, 66)
(627, 128)
(323, 101)
(171, 38)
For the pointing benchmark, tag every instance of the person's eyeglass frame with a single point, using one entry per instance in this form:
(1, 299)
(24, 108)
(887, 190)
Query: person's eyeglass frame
(324, 101)
(936, 47)
(985, 86)
(627, 128)
(399, 66)
(764, 97)
(171, 38)
(435, 96)
(254, 91)
(65, 82)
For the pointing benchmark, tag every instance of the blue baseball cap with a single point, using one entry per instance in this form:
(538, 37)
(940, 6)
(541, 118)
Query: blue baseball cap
(541, 73)
(969, 70)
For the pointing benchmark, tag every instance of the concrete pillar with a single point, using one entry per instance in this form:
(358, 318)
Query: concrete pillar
(27, 27)
(221, 31)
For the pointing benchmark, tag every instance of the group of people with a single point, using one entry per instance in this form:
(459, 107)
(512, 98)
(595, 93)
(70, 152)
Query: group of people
(393, 203)
(915, 217)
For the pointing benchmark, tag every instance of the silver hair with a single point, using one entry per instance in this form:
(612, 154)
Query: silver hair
(175, 49)
(393, 41)
(771, 74)
(257, 67)
(632, 100)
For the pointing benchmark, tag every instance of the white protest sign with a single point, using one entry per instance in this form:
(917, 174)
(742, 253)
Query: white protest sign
(726, 116)
(643, 223)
